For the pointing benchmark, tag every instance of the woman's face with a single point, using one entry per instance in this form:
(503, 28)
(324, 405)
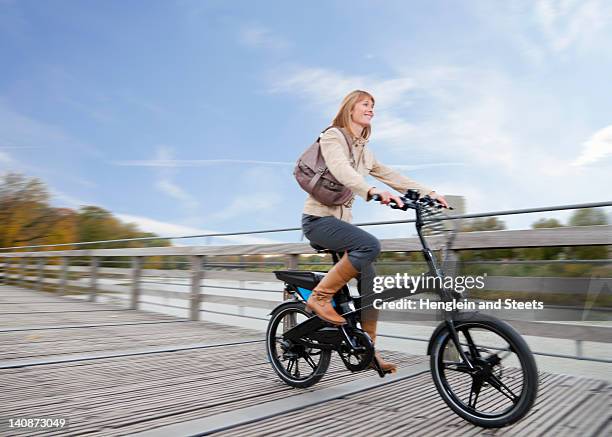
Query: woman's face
(363, 111)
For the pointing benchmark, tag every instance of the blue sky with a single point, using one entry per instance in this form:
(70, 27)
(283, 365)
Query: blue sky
(185, 116)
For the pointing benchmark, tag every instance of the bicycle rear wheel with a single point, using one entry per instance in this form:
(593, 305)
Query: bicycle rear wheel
(297, 365)
(501, 386)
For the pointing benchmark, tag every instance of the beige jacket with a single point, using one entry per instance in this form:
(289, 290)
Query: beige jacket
(337, 158)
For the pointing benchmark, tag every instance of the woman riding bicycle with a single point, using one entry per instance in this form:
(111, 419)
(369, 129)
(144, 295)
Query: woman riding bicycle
(330, 226)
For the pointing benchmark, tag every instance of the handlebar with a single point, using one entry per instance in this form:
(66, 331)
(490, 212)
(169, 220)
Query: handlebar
(412, 201)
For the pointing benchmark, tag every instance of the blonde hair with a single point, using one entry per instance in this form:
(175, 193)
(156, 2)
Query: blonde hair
(343, 117)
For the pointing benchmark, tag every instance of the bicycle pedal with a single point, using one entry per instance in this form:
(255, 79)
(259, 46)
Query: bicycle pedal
(379, 370)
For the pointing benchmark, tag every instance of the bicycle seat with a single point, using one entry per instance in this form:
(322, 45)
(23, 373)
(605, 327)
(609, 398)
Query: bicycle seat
(320, 249)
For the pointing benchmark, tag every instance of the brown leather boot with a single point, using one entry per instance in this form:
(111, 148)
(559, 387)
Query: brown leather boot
(369, 325)
(320, 299)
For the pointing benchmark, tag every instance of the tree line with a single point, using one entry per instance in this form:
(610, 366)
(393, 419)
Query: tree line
(530, 261)
(27, 219)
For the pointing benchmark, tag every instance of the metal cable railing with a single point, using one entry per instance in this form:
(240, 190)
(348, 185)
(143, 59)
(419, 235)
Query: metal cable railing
(378, 223)
(398, 337)
(64, 282)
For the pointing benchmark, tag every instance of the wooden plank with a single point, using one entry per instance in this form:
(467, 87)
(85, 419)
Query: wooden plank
(45, 328)
(414, 406)
(255, 413)
(116, 395)
(54, 359)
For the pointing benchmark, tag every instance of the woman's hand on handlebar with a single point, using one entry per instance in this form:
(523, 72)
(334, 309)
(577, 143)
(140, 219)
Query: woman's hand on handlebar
(439, 198)
(385, 197)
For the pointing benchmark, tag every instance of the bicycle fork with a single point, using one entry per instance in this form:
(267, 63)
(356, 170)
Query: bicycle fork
(455, 338)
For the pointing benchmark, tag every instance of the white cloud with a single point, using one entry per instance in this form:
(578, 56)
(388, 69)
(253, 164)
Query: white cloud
(393, 92)
(65, 199)
(173, 163)
(469, 116)
(164, 229)
(261, 37)
(477, 131)
(320, 86)
(171, 189)
(543, 30)
(7, 162)
(16, 128)
(253, 202)
(167, 185)
(393, 129)
(472, 116)
(568, 22)
(598, 147)
(325, 89)
(430, 165)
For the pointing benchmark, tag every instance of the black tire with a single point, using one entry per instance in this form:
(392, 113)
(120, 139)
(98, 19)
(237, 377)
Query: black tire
(277, 356)
(451, 377)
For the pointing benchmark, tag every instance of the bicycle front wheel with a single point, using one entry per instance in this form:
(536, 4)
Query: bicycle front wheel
(499, 385)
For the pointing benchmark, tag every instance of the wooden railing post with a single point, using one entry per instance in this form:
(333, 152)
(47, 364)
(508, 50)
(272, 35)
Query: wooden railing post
(41, 274)
(22, 261)
(93, 278)
(579, 353)
(196, 282)
(136, 273)
(63, 285)
(291, 263)
(7, 271)
(5, 266)
(451, 263)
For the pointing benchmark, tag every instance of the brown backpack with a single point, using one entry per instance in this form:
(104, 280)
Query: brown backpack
(312, 174)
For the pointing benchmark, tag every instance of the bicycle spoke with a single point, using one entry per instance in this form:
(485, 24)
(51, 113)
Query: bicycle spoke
(457, 367)
(310, 361)
(290, 366)
(297, 368)
(475, 391)
(502, 388)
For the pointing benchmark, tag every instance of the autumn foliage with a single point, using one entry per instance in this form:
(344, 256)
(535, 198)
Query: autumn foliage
(27, 219)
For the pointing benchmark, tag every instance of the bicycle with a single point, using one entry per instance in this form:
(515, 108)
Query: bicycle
(481, 367)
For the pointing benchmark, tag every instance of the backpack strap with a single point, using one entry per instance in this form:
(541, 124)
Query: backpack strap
(347, 138)
(319, 172)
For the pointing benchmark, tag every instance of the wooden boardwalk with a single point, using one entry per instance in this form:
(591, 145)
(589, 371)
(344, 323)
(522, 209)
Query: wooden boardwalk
(113, 371)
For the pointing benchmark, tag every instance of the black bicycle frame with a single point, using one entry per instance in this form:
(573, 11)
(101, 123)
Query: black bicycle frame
(449, 318)
(315, 323)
